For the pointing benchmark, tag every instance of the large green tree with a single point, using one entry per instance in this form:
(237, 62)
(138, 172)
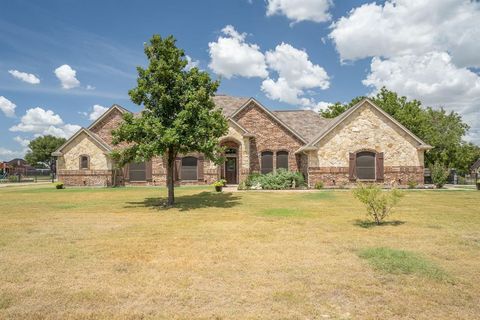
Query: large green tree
(441, 129)
(179, 114)
(41, 149)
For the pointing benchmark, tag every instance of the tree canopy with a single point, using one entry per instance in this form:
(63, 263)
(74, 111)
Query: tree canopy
(441, 129)
(179, 114)
(41, 149)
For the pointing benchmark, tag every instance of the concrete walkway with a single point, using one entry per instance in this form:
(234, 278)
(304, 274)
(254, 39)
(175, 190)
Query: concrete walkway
(22, 184)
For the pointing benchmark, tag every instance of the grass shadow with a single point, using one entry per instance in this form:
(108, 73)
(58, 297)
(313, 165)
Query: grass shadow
(367, 224)
(190, 202)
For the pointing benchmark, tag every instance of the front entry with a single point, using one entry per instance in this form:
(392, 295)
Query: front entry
(231, 170)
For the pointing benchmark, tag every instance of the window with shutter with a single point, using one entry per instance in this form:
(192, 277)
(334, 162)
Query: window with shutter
(267, 162)
(365, 165)
(137, 171)
(282, 160)
(189, 168)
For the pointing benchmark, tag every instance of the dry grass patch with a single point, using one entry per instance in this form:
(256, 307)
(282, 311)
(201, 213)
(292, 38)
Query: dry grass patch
(118, 254)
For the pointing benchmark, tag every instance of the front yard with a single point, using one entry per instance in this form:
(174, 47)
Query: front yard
(113, 253)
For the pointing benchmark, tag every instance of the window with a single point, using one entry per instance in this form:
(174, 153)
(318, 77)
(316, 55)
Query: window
(365, 164)
(231, 151)
(84, 162)
(137, 171)
(267, 162)
(282, 160)
(189, 168)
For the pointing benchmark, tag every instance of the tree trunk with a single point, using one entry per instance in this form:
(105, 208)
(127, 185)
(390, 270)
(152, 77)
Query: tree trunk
(170, 174)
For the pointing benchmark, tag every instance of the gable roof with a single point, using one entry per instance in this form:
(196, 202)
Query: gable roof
(92, 135)
(336, 121)
(476, 165)
(306, 122)
(106, 113)
(271, 114)
(229, 104)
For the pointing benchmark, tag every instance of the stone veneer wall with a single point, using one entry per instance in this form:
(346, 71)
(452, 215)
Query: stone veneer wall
(269, 136)
(366, 129)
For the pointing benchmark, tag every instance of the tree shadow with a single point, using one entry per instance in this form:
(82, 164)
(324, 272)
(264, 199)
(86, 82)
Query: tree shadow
(189, 202)
(367, 224)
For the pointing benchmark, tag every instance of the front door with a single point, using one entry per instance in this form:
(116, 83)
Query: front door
(231, 170)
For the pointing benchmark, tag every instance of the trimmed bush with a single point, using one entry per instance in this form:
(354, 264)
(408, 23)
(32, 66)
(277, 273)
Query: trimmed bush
(59, 185)
(319, 185)
(280, 180)
(412, 184)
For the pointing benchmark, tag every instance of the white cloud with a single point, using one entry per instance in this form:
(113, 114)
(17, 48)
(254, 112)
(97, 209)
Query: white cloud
(191, 63)
(433, 79)
(26, 77)
(23, 142)
(7, 154)
(89, 87)
(7, 107)
(42, 122)
(405, 27)
(322, 105)
(296, 73)
(232, 56)
(97, 111)
(67, 77)
(301, 10)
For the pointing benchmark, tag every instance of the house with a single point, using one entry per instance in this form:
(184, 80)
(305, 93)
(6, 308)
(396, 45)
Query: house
(362, 144)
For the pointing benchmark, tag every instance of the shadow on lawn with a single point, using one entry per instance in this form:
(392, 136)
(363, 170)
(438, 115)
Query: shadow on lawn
(189, 202)
(367, 224)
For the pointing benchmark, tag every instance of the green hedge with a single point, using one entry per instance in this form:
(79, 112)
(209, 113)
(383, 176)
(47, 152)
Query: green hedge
(279, 180)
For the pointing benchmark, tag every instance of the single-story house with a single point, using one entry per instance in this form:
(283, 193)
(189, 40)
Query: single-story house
(362, 144)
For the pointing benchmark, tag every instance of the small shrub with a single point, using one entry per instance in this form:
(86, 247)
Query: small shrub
(319, 185)
(219, 183)
(60, 185)
(279, 180)
(379, 203)
(439, 174)
(12, 178)
(412, 184)
(242, 186)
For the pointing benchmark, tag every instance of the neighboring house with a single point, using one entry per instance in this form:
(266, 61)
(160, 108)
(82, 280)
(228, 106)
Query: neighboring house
(17, 166)
(362, 144)
(475, 168)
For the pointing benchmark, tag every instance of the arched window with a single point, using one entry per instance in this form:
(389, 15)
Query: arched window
(267, 162)
(189, 168)
(282, 160)
(84, 162)
(137, 171)
(365, 165)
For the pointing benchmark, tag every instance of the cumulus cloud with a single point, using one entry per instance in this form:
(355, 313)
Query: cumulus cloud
(435, 80)
(97, 111)
(26, 77)
(296, 73)
(7, 107)
(90, 87)
(405, 27)
(7, 154)
(301, 10)
(23, 142)
(67, 77)
(191, 63)
(232, 56)
(41, 122)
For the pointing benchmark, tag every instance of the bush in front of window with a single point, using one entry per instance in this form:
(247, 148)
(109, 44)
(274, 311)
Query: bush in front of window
(379, 203)
(280, 180)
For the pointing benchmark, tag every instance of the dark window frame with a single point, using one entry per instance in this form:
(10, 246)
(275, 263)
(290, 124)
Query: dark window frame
(372, 167)
(282, 153)
(263, 168)
(142, 171)
(80, 162)
(186, 170)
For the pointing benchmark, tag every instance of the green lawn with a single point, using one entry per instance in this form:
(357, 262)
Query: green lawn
(115, 253)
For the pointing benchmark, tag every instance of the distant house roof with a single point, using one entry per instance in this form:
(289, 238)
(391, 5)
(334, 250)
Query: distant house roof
(476, 165)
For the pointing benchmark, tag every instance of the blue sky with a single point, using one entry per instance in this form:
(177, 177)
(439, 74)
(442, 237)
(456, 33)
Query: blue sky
(340, 49)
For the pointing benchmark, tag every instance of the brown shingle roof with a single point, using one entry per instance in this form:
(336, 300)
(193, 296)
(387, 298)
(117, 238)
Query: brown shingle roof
(306, 122)
(229, 104)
